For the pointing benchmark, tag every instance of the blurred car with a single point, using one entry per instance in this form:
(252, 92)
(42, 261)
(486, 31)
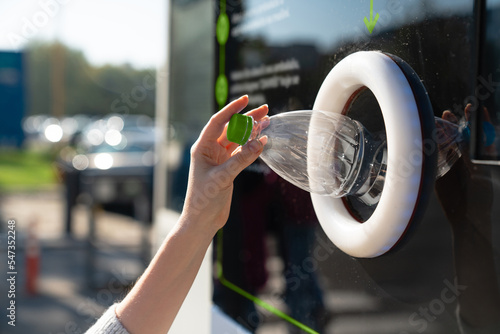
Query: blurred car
(110, 163)
(46, 130)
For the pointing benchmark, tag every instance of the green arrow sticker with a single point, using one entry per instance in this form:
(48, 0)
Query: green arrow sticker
(372, 22)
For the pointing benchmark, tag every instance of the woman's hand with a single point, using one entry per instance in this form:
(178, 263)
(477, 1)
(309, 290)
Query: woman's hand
(215, 163)
(152, 304)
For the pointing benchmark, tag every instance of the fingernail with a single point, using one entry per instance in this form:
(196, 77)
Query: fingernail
(255, 146)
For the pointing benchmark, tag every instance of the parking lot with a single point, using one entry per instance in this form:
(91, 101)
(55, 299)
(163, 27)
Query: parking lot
(64, 302)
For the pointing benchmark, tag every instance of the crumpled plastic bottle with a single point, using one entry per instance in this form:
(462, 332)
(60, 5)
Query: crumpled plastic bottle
(342, 158)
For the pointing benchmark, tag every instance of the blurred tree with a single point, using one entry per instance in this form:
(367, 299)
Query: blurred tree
(89, 89)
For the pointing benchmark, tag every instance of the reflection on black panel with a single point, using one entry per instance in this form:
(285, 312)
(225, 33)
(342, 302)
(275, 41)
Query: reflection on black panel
(273, 251)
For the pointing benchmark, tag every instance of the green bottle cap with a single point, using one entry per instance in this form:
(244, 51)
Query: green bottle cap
(239, 128)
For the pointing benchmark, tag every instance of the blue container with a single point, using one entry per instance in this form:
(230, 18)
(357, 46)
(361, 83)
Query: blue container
(12, 95)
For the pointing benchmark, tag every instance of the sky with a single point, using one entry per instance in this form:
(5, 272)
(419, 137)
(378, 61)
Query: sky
(107, 31)
(126, 31)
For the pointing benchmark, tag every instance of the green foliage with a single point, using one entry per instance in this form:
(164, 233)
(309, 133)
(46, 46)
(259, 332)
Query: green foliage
(88, 89)
(26, 170)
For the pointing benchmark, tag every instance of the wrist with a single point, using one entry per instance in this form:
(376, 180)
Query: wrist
(209, 211)
(201, 224)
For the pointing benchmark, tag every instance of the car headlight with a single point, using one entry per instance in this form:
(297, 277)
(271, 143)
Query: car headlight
(103, 161)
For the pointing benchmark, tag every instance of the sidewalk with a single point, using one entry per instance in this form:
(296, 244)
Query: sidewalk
(64, 302)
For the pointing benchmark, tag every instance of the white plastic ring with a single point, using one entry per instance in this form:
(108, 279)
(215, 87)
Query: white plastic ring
(379, 73)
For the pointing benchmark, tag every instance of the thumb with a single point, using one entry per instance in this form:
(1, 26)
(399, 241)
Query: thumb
(242, 159)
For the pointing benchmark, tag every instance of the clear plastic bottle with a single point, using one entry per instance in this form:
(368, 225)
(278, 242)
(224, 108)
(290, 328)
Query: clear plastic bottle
(342, 158)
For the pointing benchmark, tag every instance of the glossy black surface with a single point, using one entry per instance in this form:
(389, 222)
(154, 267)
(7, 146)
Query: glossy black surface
(444, 278)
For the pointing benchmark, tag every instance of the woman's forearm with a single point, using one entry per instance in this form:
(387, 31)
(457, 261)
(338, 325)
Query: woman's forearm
(153, 303)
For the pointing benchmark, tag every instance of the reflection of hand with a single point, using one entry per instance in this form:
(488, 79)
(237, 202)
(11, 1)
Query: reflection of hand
(215, 162)
(466, 189)
(488, 127)
(466, 195)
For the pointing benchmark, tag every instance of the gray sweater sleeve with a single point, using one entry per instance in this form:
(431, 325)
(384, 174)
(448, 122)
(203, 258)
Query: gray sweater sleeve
(108, 323)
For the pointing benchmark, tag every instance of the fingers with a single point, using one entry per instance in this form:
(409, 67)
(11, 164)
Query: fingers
(469, 109)
(449, 116)
(468, 112)
(215, 126)
(486, 115)
(243, 157)
(257, 114)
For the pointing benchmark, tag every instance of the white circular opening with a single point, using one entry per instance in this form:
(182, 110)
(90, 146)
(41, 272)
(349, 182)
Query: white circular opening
(389, 221)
